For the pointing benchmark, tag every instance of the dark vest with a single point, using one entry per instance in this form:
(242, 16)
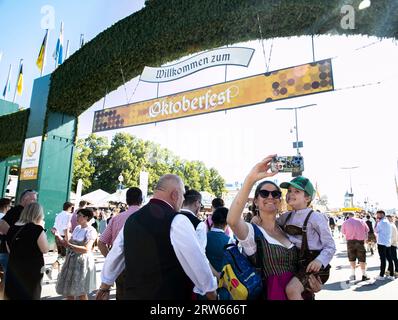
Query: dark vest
(194, 220)
(153, 271)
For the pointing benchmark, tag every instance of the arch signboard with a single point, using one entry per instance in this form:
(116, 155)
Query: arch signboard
(291, 82)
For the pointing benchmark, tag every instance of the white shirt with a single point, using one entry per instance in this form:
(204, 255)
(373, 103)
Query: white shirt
(186, 247)
(394, 235)
(383, 230)
(231, 239)
(201, 231)
(84, 234)
(249, 244)
(2, 215)
(62, 222)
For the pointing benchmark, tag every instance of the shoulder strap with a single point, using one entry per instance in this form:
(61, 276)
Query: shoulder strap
(304, 241)
(287, 219)
(257, 233)
(258, 256)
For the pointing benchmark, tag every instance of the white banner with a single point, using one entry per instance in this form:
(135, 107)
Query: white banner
(30, 158)
(236, 56)
(144, 184)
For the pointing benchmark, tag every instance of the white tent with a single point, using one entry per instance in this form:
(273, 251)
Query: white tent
(207, 198)
(72, 196)
(118, 196)
(96, 198)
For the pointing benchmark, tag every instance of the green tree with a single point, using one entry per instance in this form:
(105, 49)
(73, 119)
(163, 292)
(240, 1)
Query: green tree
(191, 176)
(126, 156)
(217, 183)
(99, 147)
(159, 163)
(100, 164)
(82, 167)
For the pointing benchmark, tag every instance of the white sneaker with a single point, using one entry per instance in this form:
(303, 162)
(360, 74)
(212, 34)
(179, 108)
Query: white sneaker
(390, 278)
(352, 277)
(380, 278)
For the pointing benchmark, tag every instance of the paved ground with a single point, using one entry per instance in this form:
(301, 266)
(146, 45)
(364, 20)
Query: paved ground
(337, 288)
(48, 291)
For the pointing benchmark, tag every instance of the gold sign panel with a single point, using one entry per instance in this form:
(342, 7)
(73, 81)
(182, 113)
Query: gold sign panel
(28, 173)
(276, 85)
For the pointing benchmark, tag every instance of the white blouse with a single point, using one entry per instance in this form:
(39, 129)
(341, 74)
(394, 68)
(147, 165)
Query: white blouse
(249, 244)
(82, 234)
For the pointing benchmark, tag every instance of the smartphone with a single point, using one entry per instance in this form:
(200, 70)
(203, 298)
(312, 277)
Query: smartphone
(294, 164)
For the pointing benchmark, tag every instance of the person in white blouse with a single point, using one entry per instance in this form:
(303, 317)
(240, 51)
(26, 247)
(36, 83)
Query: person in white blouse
(78, 275)
(167, 201)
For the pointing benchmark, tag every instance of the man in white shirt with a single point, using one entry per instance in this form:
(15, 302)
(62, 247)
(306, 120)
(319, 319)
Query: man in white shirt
(159, 250)
(383, 231)
(61, 227)
(394, 244)
(190, 208)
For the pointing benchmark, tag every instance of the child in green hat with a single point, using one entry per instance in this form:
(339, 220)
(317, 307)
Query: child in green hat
(309, 231)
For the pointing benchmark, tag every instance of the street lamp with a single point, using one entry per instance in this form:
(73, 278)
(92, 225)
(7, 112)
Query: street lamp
(351, 194)
(297, 145)
(121, 179)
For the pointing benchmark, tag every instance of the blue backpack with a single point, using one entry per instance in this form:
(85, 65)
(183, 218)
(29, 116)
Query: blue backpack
(238, 276)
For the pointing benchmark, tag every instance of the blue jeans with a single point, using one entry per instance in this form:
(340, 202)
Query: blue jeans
(4, 262)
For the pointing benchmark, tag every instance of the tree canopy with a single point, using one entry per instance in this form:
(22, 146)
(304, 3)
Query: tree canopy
(99, 165)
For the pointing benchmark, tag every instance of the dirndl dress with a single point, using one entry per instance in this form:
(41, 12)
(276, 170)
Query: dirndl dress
(78, 274)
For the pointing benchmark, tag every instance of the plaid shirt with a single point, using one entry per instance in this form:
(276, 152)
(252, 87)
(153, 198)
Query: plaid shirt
(115, 225)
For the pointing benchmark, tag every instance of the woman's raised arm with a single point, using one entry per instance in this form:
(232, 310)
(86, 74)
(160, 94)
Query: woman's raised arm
(234, 218)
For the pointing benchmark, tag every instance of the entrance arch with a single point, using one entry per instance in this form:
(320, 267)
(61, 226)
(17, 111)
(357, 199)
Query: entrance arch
(161, 32)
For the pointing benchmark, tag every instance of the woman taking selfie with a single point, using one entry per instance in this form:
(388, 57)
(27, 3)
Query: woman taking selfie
(276, 255)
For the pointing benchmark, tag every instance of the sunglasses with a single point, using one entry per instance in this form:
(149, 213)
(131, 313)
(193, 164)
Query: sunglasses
(265, 194)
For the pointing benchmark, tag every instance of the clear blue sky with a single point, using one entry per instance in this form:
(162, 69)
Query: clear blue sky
(350, 127)
(21, 36)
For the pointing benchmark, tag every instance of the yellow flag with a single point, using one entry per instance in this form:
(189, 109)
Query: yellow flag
(20, 81)
(42, 53)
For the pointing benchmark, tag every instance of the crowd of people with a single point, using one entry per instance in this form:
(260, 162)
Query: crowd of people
(167, 250)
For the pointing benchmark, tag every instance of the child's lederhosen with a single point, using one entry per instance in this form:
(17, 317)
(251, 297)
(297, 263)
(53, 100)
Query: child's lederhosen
(306, 255)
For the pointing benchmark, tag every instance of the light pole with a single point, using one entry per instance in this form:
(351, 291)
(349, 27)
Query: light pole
(351, 194)
(297, 145)
(121, 179)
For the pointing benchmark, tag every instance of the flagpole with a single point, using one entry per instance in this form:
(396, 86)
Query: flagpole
(45, 53)
(81, 40)
(56, 54)
(16, 85)
(67, 50)
(7, 83)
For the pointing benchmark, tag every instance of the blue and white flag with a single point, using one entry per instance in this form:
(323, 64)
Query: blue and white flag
(58, 53)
